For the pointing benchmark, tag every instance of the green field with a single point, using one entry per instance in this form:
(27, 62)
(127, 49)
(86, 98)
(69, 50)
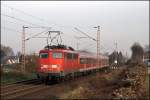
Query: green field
(11, 77)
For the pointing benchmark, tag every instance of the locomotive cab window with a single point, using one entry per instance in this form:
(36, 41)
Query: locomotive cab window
(57, 55)
(43, 55)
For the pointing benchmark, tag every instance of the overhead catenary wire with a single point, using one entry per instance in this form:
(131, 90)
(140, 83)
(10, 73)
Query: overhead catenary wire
(10, 29)
(18, 19)
(88, 46)
(92, 45)
(85, 34)
(20, 31)
(34, 36)
(28, 25)
(22, 12)
(13, 22)
(39, 37)
(35, 17)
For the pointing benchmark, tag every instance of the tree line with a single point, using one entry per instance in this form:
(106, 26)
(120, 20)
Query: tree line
(136, 57)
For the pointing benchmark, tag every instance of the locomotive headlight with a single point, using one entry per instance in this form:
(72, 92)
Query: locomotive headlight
(44, 66)
(54, 66)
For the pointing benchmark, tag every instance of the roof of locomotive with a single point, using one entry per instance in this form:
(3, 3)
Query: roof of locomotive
(58, 50)
(62, 48)
(81, 53)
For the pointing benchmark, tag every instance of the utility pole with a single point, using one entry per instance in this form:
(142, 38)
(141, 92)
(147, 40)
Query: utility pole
(98, 46)
(98, 42)
(116, 55)
(23, 49)
(116, 46)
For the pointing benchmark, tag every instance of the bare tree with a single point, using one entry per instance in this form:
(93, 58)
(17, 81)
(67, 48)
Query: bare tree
(18, 54)
(6, 51)
(112, 57)
(137, 53)
(116, 56)
(120, 58)
(146, 48)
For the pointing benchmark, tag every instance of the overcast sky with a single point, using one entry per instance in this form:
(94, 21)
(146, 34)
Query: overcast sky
(124, 22)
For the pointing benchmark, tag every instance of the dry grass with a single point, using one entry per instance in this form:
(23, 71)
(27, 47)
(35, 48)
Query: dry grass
(107, 86)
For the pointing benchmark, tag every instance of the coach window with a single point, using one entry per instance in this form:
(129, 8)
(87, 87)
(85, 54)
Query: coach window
(83, 61)
(57, 55)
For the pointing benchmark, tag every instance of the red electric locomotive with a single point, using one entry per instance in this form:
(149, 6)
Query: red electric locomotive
(58, 62)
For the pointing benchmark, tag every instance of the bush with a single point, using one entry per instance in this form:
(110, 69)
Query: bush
(16, 76)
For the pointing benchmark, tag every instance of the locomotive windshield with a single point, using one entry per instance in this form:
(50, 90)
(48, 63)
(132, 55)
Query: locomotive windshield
(43, 55)
(57, 55)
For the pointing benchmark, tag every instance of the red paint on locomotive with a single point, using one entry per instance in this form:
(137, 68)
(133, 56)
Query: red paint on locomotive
(63, 61)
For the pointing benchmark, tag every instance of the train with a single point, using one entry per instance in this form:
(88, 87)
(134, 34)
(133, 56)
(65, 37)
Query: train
(60, 62)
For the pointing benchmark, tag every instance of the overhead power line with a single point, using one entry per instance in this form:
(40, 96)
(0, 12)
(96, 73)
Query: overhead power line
(18, 19)
(88, 46)
(9, 29)
(23, 12)
(39, 37)
(34, 36)
(23, 24)
(35, 17)
(85, 34)
(13, 22)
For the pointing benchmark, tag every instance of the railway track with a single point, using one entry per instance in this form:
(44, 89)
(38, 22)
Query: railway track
(21, 88)
(19, 82)
(56, 90)
(22, 92)
(24, 88)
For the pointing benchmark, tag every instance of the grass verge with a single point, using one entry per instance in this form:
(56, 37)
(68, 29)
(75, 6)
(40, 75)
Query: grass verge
(11, 77)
